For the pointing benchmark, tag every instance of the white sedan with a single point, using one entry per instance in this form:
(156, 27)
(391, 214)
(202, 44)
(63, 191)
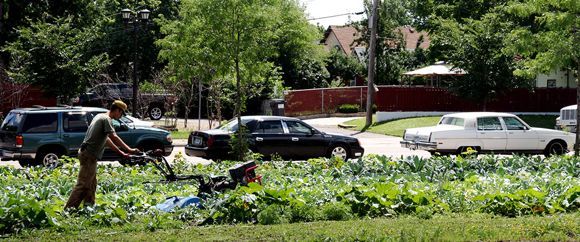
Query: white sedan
(487, 132)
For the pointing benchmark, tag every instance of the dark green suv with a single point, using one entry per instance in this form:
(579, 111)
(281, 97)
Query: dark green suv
(39, 136)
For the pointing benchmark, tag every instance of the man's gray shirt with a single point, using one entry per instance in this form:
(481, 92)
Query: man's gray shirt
(97, 134)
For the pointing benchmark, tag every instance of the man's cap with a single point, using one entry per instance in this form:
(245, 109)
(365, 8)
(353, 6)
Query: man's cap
(120, 104)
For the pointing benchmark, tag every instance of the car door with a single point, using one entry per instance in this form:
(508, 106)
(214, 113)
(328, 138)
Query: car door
(519, 136)
(491, 134)
(306, 142)
(74, 127)
(270, 138)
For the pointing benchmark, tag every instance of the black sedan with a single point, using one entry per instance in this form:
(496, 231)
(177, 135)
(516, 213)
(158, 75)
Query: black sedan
(273, 135)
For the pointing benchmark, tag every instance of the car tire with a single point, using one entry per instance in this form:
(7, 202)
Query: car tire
(26, 163)
(339, 150)
(556, 147)
(155, 112)
(48, 158)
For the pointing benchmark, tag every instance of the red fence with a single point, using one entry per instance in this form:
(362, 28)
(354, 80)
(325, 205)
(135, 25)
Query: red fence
(16, 96)
(396, 98)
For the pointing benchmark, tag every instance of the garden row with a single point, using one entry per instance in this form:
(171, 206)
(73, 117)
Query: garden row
(319, 189)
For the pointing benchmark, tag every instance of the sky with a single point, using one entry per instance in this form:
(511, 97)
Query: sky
(324, 8)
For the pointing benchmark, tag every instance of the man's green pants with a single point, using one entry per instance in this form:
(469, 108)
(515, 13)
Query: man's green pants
(86, 186)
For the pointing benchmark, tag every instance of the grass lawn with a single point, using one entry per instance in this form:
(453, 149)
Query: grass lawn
(181, 134)
(458, 227)
(397, 127)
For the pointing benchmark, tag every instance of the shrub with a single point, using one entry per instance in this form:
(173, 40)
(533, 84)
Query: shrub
(348, 108)
(336, 211)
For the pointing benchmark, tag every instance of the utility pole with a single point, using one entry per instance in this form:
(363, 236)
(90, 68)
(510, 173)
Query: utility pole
(371, 65)
(577, 58)
(199, 105)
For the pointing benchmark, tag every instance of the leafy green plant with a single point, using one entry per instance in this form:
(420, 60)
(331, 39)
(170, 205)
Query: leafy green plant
(348, 108)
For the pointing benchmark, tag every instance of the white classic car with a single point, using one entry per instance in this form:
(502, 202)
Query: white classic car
(487, 132)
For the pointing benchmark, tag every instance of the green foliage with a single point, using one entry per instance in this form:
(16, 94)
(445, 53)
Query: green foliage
(56, 55)
(320, 189)
(343, 68)
(392, 57)
(348, 108)
(546, 36)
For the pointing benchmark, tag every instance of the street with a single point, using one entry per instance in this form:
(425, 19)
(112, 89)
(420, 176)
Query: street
(372, 143)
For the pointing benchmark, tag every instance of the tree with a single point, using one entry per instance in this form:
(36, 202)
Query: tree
(55, 55)
(392, 59)
(550, 40)
(476, 47)
(299, 55)
(231, 38)
(341, 67)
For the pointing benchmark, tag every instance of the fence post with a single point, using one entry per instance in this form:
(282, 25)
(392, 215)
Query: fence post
(322, 100)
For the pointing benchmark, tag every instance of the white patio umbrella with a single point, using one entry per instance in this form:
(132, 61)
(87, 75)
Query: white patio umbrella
(436, 70)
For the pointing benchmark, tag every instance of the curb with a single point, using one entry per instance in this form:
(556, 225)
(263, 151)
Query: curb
(346, 126)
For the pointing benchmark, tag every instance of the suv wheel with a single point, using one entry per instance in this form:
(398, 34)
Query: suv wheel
(48, 158)
(155, 112)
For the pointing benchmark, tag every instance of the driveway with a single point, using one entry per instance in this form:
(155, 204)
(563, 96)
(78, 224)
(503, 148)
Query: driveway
(371, 142)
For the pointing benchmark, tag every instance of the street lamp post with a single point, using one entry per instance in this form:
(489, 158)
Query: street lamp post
(140, 17)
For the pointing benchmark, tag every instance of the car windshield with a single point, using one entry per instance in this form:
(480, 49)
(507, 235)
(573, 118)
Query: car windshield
(11, 122)
(452, 121)
(232, 125)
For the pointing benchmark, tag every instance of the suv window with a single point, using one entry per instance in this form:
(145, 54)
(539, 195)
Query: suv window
(296, 127)
(11, 122)
(40, 123)
(75, 122)
(270, 127)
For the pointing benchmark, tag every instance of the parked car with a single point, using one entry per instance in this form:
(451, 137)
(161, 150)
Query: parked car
(487, 132)
(102, 94)
(132, 121)
(270, 135)
(567, 119)
(39, 136)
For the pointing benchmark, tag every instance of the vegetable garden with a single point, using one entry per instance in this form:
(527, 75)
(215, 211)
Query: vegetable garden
(292, 192)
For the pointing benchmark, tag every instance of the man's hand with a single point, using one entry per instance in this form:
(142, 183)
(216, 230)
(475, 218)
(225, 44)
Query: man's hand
(134, 151)
(124, 155)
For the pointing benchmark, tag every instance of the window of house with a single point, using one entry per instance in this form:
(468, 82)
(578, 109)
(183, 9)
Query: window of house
(551, 83)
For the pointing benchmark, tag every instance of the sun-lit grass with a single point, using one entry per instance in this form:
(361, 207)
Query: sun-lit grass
(395, 127)
(457, 227)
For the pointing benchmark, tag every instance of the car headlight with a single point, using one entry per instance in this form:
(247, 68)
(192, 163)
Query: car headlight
(169, 139)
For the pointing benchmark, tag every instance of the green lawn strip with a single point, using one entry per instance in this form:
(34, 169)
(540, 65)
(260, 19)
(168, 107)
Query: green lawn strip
(180, 134)
(456, 227)
(398, 126)
(394, 127)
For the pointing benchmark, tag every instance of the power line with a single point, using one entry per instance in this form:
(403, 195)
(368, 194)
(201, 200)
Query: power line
(338, 15)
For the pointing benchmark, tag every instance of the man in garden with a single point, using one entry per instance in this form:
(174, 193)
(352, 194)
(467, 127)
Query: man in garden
(99, 133)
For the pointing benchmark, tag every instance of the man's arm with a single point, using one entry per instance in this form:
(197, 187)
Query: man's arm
(115, 148)
(115, 140)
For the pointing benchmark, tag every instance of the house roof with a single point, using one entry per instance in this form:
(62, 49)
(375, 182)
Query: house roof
(346, 36)
(412, 37)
